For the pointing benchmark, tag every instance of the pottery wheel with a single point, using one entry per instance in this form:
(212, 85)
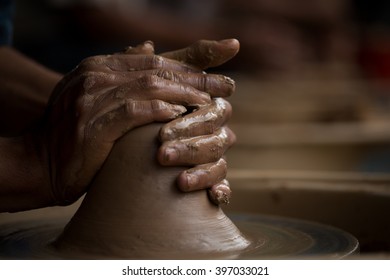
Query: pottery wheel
(272, 238)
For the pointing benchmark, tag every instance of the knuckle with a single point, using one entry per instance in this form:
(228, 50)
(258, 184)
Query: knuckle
(89, 79)
(90, 63)
(131, 108)
(95, 79)
(155, 61)
(168, 132)
(149, 82)
(135, 109)
(203, 82)
(157, 105)
(166, 74)
(83, 105)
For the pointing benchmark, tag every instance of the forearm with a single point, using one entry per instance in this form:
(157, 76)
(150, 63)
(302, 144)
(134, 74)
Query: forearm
(23, 182)
(25, 87)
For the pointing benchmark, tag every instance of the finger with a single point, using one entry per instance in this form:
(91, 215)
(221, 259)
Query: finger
(196, 150)
(220, 193)
(94, 82)
(214, 84)
(137, 62)
(153, 87)
(127, 114)
(146, 47)
(202, 176)
(205, 54)
(203, 121)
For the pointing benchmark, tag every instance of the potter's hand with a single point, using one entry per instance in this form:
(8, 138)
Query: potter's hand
(107, 96)
(210, 169)
(210, 122)
(201, 139)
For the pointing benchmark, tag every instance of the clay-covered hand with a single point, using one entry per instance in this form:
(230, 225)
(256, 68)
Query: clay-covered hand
(202, 137)
(210, 122)
(105, 97)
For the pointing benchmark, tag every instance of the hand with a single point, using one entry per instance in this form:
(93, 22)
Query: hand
(189, 139)
(201, 139)
(104, 98)
(210, 122)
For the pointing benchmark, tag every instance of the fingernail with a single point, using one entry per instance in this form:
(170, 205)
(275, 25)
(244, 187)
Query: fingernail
(229, 81)
(192, 181)
(222, 197)
(219, 195)
(171, 155)
(179, 110)
(233, 43)
(221, 86)
(166, 134)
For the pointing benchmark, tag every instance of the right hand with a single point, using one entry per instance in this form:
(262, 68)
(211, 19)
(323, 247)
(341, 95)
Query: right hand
(201, 138)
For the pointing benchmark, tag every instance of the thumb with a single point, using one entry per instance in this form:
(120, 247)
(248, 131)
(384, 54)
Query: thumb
(205, 53)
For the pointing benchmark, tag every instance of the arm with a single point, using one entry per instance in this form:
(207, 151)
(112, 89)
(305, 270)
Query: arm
(21, 175)
(25, 87)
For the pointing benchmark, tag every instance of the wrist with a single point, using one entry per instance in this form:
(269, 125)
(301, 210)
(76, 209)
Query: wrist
(24, 179)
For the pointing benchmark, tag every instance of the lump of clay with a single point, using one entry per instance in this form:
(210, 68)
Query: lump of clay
(134, 209)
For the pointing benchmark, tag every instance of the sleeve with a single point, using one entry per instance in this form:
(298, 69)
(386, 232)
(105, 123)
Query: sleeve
(6, 13)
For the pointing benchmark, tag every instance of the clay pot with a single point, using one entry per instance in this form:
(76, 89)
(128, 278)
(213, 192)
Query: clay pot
(134, 209)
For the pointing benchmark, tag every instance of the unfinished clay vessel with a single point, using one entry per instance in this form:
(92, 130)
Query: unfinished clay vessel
(135, 210)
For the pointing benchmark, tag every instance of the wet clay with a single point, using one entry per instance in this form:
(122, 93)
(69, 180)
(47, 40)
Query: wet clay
(133, 209)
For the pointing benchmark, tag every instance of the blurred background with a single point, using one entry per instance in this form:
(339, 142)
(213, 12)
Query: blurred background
(312, 105)
(276, 35)
(313, 76)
